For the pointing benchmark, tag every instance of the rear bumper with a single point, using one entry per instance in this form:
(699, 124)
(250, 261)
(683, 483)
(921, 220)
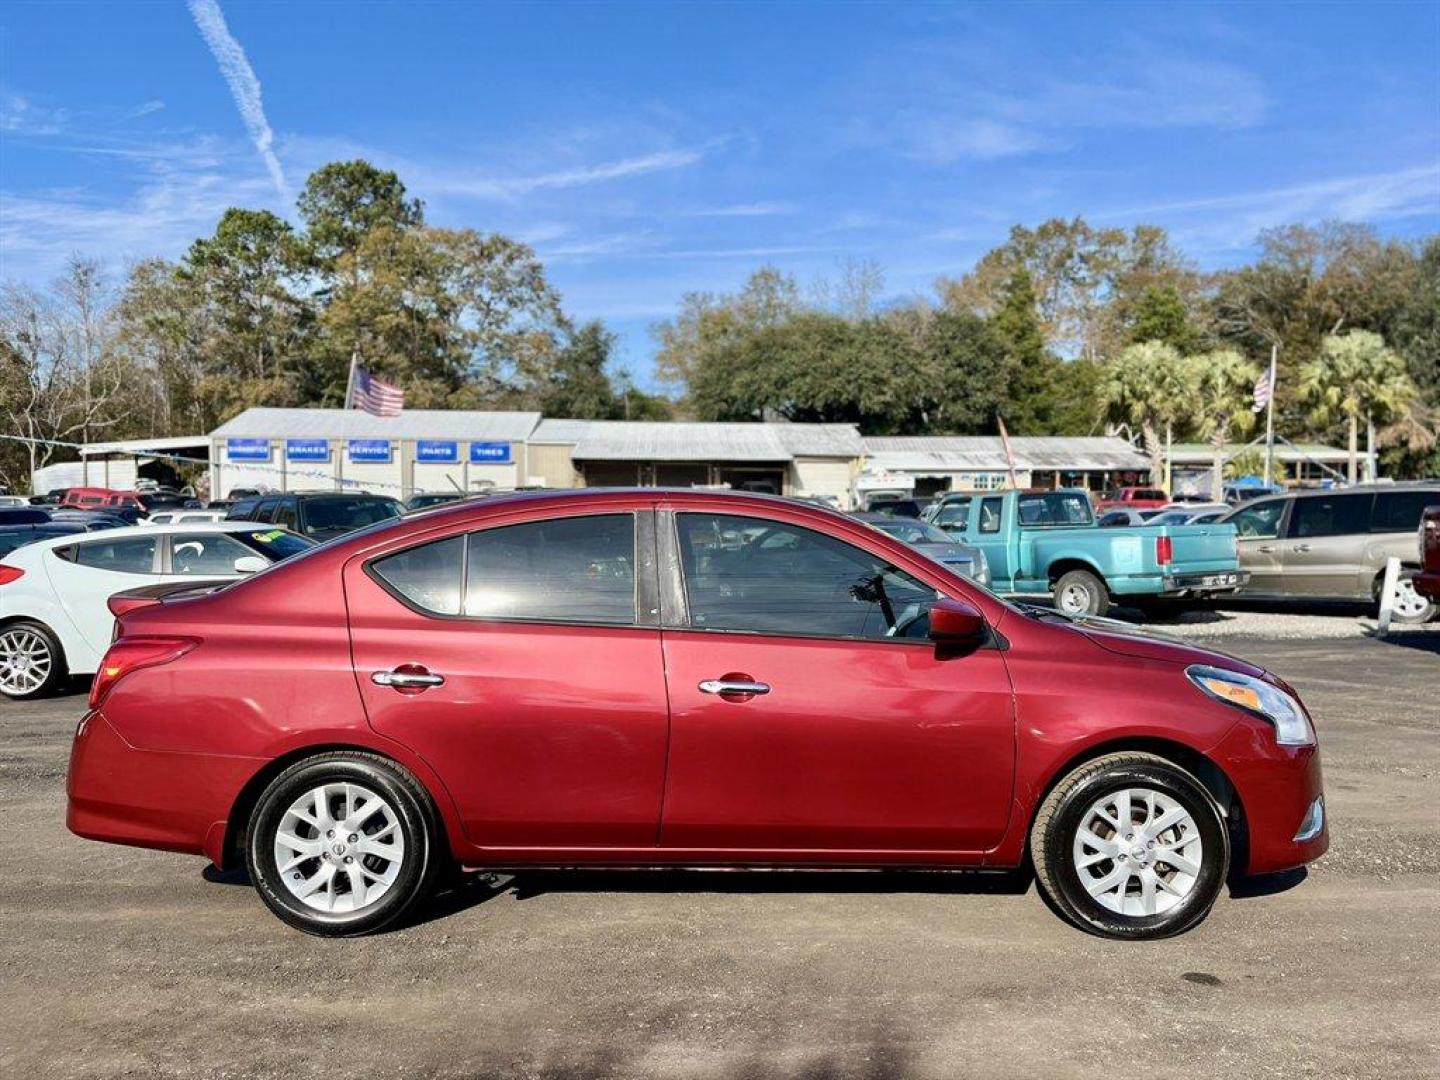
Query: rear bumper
(1205, 582)
(146, 798)
(1282, 795)
(1427, 583)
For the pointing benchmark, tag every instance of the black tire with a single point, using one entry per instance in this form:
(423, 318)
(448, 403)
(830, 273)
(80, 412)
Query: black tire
(425, 853)
(1414, 617)
(55, 652)
(1097, 596)
(1063, 812)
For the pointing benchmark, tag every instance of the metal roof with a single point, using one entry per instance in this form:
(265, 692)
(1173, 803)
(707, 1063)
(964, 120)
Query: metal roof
(357, 424)
(627, 440)
(1204, 453)
(986, 453)
(143, 447)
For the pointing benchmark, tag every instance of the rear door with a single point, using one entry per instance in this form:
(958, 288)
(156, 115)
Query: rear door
(85, 575)
(861, 736)
(1324, 549)
(522, 661)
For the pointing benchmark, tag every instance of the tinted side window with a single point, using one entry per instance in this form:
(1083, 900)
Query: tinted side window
(1399, 511)
(578, 569)
(132, 555)
(1262, 520)
(954, 514)
(990, 509)
(1331, 515)
(771, 578)
(285, 514)
(430, 576)
(205, 553)
(265, 510)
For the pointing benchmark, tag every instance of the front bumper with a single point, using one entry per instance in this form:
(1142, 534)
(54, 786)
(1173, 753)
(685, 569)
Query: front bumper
(1279, 789)
(146, 798)
(1427, 583)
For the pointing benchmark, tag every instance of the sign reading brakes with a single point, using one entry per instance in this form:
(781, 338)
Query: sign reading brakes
(307, 449)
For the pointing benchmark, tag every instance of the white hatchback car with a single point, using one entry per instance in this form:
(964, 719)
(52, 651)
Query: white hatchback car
(54, 620)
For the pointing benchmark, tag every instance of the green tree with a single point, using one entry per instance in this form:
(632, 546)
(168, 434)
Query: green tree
(1033, 374)
(576, 384)
(344, 201)
(1354, 377)
(1224, 382)
(1150, 386)
(965, 360)
(708, 324)
(1160, 315)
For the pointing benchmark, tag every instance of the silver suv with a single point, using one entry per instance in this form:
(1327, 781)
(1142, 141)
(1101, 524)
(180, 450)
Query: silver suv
(1333, 544)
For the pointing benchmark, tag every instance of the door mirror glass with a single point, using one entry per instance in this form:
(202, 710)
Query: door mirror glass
(250, 564)
(957, 623)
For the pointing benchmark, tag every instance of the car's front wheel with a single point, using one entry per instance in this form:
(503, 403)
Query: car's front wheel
(343, 844)
(32, 662)
(1079, 592)
(1409, 605)
(1130, 846)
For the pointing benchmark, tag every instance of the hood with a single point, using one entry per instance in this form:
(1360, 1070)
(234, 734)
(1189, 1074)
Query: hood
(1123, 639)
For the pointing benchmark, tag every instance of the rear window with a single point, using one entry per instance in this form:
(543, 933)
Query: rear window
(1399, 511)
(1331, 515)
(990, 508)
(1054, 508)
(331, 517)
(1149, 493)
(130, 555)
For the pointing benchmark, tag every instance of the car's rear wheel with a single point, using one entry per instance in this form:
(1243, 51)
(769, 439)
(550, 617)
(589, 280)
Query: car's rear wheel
(1130, 846)
(32, 662)
(1079, 592)
(1410, 606)
(343, 844)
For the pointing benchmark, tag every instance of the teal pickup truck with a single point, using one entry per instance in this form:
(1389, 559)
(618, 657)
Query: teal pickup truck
(1040, 542)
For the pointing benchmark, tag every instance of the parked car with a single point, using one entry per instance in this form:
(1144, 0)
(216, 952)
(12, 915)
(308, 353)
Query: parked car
(424, 500)
(676, 678)
(1189, 514)
(1113, 518)
(1040, 542)
(13, 536)
(53, 593)
(320, 515)
(902, 508)
(1132, 498)
(13, 502)
(23, 516)
(934, 542)
(1332, 545)
(1427, 581)
(86, 498)
(1242, 493)
(92, 520)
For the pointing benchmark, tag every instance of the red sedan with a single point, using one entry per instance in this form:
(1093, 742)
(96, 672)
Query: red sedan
(666, 678)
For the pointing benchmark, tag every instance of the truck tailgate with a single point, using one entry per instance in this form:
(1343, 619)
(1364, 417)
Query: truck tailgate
(1201, 547)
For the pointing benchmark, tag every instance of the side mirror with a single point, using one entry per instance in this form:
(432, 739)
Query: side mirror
(958, 624)
(250, 564)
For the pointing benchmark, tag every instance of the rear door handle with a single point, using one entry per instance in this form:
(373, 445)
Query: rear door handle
(1267, 549)
(407, 680)
(733, 686)
(1301, 547)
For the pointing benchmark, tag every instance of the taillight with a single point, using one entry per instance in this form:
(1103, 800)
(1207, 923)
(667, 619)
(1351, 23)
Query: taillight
(132, 654)
(10, 573)
(1164, 550)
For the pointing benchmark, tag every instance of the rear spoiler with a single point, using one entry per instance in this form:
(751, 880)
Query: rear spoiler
(150, 595)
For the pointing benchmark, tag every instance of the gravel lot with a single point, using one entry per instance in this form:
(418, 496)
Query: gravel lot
(126, 962)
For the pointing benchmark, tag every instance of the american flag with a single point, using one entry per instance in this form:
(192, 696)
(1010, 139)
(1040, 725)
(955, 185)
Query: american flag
(376, 396)
(1263, 392)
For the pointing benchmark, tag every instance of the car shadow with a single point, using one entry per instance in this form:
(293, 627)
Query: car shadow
(1250, 886)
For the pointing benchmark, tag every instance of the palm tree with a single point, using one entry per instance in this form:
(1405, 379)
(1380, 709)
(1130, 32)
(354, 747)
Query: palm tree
(1355, 376)
(1151, 386)
(1224, 384)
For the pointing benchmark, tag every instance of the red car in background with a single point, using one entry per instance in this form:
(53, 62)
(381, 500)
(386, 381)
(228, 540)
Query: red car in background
(678, 678)
(1133, 498)
(1427, 582)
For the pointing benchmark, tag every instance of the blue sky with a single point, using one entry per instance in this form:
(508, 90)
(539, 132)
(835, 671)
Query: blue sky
(649, 150)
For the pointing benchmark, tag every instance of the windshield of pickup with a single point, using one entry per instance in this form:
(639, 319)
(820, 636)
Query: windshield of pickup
(1042, 508)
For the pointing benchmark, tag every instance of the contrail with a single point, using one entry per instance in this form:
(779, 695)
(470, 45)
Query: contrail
(244, 86)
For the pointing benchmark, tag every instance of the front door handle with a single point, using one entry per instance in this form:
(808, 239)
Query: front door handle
(407, 678)
(1301, 547)
(734, 686)
(1267, 549)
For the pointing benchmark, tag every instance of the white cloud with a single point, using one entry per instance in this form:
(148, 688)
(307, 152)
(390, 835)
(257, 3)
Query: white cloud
(244, 86)
(22, 116)
(145, 109)
(755, 209)
(447, 181)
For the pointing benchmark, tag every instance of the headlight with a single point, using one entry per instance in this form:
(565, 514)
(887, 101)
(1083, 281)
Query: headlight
(1292, 726)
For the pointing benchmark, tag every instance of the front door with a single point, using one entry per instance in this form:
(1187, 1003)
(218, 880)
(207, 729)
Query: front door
(1257, 542)
(517, 661)
(854, 736)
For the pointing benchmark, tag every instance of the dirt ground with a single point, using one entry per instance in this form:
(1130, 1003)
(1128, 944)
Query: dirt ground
(121, 962)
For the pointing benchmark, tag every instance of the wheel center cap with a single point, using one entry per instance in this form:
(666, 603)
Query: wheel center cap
(338, 848)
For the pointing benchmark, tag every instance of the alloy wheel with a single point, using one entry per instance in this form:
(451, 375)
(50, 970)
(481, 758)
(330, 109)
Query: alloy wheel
(339, 848)
(1138, 852)
(1409, 604)
(25, 661)
(1074, 600)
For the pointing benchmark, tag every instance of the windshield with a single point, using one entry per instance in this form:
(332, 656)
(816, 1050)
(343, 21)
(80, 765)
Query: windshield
(325, 518)
(914, 532)
(274, 544)
(1042, 508)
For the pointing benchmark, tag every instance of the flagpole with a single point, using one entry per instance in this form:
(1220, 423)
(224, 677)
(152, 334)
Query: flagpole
(350, 380)
(1270, 422)
(1009, 457)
